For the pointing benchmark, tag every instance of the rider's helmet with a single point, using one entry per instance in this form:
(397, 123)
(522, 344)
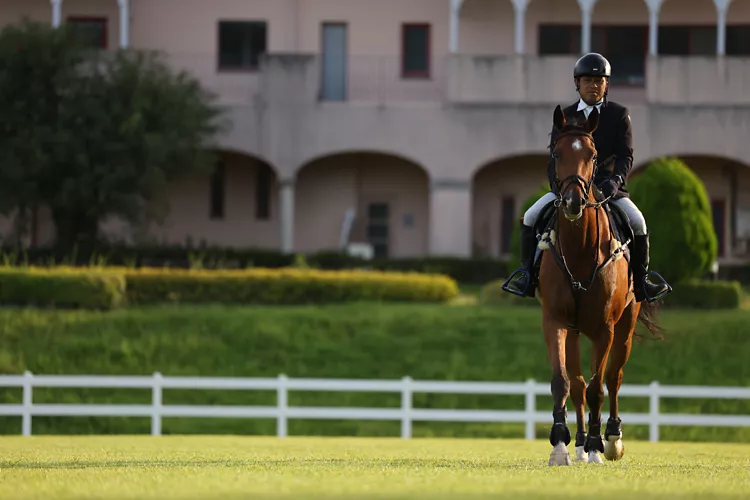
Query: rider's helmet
(592, 64)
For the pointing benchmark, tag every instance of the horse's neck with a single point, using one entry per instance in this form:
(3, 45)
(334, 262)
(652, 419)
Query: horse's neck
(578, 240)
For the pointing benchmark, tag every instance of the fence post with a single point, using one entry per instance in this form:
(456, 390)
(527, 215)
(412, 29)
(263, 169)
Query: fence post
(156, 403)
(283, 404)
(530, 409)
(406, 406)
(653, 427)
(28, 397)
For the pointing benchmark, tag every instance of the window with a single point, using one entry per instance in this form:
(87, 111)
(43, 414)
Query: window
(378, 216)
(738, 40)
(91, 30)
(718, 210)
(507, 222)
(559, 40)
(687, 40)
(415, 56)
(263, 180)
(241, 43)
(218, 186)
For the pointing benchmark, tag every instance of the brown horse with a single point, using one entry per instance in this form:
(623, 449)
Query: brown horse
(585, 287)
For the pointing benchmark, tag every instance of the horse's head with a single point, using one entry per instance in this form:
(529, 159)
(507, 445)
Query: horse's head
(575, 162)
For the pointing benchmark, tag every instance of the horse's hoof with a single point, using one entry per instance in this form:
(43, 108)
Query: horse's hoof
(581, 455)
(613, 448)
(559, 455)
(595, 457)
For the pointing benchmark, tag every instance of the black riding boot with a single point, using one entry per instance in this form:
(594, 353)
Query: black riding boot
(521, 282)
(644, 287)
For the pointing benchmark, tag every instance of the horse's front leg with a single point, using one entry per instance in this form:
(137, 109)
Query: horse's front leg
(577, 392)
(555, 335)
(595, 394)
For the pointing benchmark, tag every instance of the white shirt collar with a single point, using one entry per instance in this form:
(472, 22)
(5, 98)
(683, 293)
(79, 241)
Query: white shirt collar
(587, 109)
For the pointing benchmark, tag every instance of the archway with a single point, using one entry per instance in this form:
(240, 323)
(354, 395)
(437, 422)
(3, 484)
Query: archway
(378, 200)
(236, 205)
(500, 189)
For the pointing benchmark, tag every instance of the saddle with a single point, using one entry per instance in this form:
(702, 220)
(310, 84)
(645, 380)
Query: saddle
(619, 222)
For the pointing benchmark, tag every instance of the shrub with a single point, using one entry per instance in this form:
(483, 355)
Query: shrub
(61, 287)
(283, 286)
(704, 294)
(678, 216)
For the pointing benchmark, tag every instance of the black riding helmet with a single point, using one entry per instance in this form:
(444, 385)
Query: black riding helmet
(592, 64)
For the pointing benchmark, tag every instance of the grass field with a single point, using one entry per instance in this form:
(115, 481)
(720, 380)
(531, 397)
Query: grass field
(241, 467)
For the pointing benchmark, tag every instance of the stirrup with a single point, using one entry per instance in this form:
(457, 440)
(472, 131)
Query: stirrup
(522, 271)
(662, 281)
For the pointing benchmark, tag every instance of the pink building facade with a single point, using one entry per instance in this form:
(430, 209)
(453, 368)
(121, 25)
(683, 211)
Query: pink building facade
(419, 127)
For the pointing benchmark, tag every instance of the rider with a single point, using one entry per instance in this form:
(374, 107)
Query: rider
(613, 137)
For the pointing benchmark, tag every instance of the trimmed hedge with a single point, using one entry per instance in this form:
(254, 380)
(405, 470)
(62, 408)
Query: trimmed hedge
(61, 287)
(283, 286)
(692, 294)
(108, 288)
(704, 294)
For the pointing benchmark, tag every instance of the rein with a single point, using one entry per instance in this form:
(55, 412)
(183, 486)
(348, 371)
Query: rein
(585, 185)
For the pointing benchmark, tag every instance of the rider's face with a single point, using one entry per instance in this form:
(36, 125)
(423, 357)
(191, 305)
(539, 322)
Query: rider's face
(592, 88)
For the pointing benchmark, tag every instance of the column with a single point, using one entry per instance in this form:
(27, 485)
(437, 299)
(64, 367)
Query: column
(124, 22)
(722, 6)
(519, 6)
(56, 12)
(654, 6)
(455, 19)
(450, 217)
(587, 7)
(286, 214)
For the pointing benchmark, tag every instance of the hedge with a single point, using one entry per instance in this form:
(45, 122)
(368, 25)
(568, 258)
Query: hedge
(107, 288)
(692, 294)
(283, 286)
(61, 287)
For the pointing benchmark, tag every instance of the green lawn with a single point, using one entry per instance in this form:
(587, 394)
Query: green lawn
(239, 467)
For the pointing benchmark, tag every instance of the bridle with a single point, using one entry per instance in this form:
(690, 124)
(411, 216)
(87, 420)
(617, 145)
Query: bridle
(562, 186)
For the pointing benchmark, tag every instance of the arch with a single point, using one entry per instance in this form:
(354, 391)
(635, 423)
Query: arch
(235, 205)
(685, 12)
(500, 188)
(727, 183)
(388, 194)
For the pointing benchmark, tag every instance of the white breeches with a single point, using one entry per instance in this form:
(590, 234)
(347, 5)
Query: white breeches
(637, 222)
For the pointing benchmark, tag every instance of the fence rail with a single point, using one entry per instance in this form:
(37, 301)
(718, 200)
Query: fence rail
(406, 386)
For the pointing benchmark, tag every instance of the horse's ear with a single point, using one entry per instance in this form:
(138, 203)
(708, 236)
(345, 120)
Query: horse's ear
(593, 121)
(558, 118)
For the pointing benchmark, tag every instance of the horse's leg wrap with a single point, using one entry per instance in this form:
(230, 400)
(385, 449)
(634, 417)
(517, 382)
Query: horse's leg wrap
(614, 428)
(560, 431)
(580, 439)
(594, 440)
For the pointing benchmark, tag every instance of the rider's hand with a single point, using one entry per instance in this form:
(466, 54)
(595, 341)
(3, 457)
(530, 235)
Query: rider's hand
(609, 187)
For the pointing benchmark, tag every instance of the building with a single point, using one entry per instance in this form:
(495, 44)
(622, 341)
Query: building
(420, 127)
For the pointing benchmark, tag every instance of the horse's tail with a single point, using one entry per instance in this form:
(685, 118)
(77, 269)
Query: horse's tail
(647, 316)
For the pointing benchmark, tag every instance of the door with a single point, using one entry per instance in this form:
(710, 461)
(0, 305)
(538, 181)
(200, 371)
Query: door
(333, 71)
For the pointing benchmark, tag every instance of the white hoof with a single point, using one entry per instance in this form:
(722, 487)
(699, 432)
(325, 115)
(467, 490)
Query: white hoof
(559, 455)
(613, 448)
(595, 457)
(581, 455)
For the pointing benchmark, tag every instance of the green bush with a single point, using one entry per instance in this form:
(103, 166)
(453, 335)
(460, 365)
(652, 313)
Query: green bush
(678, 216)
(61, 287)
(703, 294)
(283, 286)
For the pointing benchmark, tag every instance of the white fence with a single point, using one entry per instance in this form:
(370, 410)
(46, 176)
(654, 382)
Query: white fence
(282, 412)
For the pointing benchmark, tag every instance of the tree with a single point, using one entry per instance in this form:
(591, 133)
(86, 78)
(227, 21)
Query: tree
(96, 134)
(675, 204)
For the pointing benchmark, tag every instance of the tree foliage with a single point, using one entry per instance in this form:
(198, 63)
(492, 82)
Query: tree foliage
(678, 216)
(95, 134)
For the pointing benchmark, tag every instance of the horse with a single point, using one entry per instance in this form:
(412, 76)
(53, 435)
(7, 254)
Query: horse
(579, 245)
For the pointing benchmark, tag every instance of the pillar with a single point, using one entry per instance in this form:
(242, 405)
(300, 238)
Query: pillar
(587, 8)
(455, 19)
(519, 6)
(286, 214)
(56, 12)
(722, 6)
(450, 217)
(654, 6)
(124, 22)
